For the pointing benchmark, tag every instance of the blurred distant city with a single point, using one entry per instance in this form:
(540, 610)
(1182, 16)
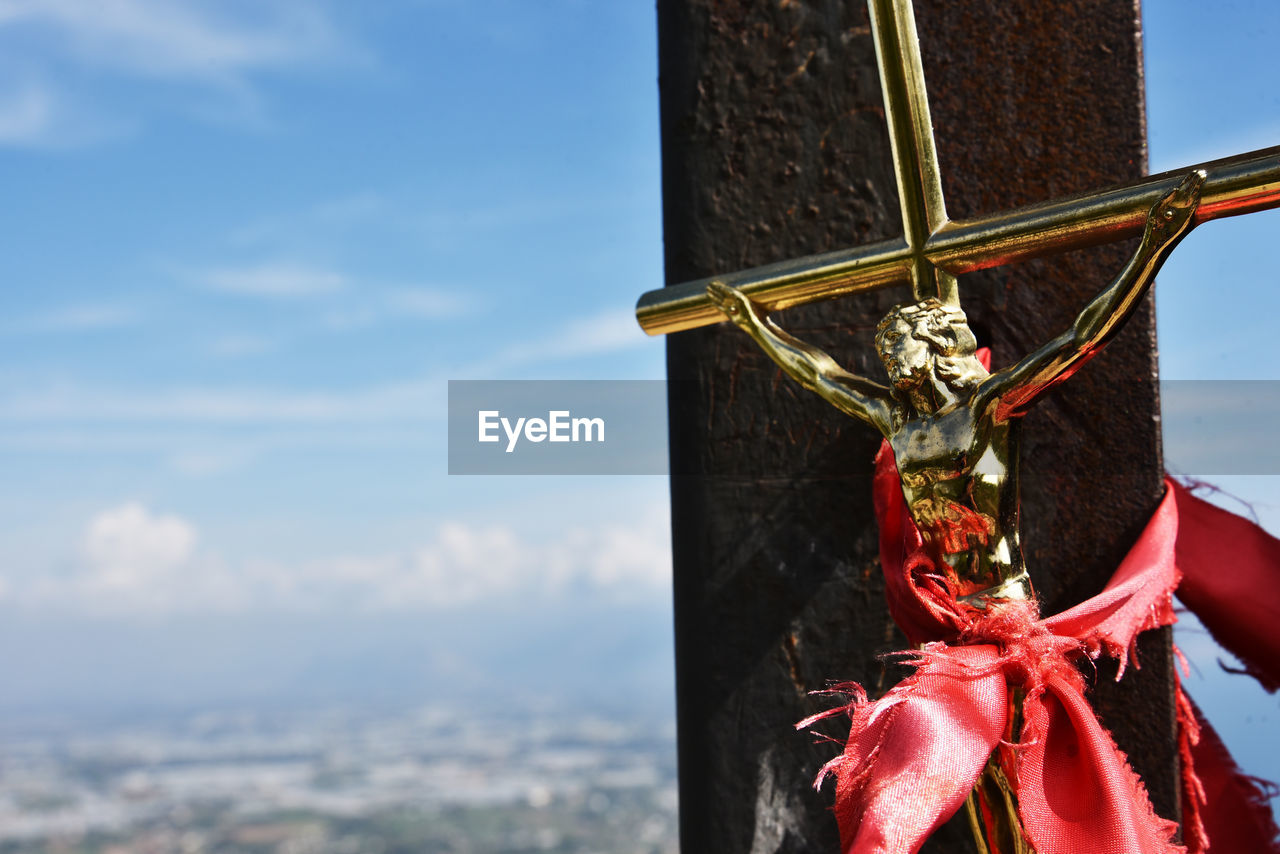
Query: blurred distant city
(432, 778)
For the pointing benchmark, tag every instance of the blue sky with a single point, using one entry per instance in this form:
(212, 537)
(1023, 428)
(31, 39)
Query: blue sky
(247, 243)
(253, 257)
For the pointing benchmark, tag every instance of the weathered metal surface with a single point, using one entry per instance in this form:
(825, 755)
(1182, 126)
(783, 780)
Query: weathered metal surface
(774, 147)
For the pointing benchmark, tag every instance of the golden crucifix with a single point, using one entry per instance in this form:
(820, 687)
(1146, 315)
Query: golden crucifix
(934, 249)
(951, 423)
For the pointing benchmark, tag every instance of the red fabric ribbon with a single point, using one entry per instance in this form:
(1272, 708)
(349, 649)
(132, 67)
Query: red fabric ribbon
(1231, 580)
(913, 756)
(1230, 569)
(1221, 804)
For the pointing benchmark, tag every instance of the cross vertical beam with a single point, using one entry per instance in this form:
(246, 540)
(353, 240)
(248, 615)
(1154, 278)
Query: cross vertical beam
(915, 158)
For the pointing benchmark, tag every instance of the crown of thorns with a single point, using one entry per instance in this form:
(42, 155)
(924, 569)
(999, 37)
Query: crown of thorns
(945, 327)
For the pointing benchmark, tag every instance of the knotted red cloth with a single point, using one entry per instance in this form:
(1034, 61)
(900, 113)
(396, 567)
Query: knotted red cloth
(913, 756)
(1231, 581)
(1230, 569)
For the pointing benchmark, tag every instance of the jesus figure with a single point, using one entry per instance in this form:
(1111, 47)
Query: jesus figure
(952, 425)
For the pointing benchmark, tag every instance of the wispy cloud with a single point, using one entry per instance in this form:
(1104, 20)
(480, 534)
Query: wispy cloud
(210, 461)
(413, 400)
(238, 346)
(79, 317)
(273, 280)
(213, 50)
(378, 305)
(608, 331)
(26, 113)
(604, 332)
(350, 301)
(37, 112)
(169, 37)
(427, 303)
(206, 449)
(134, 560)
(319, 221)
(398, 402)
(128, 547)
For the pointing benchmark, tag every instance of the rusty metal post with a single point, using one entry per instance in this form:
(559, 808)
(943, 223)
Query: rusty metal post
(774, 146)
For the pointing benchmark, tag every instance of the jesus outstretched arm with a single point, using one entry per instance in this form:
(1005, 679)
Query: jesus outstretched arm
(1019, 386)
(806, 364)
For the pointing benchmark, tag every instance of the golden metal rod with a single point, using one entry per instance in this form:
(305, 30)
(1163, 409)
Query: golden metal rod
(915, 158)
(777, 286)
(1235, 185)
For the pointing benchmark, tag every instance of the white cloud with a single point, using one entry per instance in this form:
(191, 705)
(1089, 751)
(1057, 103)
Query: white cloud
(416, 400)
(608, 331)
(236, 346)
(382, 306)
(349, 318)
(426, 303)
(127, 548)
(173, 38)
(318, 222)
(411, 400)
(77, 318)
(273, 281)
(605, 332)
(69, 51)
(467, 564)
(135, 561)
(36, 112)
(26, 114)
(208, 462)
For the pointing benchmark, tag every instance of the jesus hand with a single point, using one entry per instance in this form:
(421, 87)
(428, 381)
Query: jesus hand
(1173, 215)
(736, 305)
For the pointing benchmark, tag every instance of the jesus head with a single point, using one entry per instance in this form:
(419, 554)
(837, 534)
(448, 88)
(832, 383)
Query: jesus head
(928, 339)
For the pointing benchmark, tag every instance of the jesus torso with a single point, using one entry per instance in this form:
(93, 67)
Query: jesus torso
(959, 471)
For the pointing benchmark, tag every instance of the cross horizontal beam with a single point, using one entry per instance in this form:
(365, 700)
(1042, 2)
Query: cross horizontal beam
(1234, 185)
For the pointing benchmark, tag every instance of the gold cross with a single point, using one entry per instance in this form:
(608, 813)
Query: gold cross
(933, 249)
